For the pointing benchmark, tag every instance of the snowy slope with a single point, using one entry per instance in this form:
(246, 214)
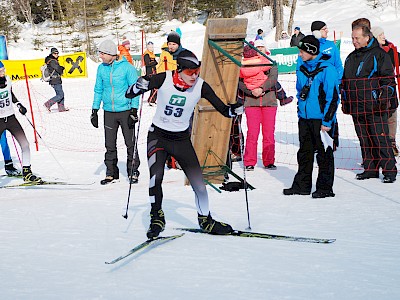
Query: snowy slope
(55, 239)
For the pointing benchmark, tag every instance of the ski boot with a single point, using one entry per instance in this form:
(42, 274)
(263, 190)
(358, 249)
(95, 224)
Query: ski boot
(10, 169)
(29, 177)
(107, 180)
(209, 225)
(157, 224)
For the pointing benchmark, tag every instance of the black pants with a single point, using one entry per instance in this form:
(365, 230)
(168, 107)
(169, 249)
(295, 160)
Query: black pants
(376, 150)
(14, 127)
(112, 121)
(310, 142)
(161, 143)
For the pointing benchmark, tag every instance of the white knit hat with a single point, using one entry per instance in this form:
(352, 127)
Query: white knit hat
(377, 31)
(108, 47)
(259, 43)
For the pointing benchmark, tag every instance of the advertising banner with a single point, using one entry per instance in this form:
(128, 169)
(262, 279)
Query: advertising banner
(74, 64)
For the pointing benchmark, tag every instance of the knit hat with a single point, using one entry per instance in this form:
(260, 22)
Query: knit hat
(108, 47)
(259, 43)
(297, 28)
(377, 31)
(53, 50)
(126, 42)
(187, 60)
(1, 65)
(309, 44)
(317, 25)
(174, 38)
(248, 51)
(150, 43)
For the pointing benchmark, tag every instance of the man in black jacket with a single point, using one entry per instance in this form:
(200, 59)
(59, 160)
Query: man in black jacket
(296, 37)
(56, 71)
(368, 94)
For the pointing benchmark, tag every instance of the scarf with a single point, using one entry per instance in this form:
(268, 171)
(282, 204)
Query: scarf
(179, 83)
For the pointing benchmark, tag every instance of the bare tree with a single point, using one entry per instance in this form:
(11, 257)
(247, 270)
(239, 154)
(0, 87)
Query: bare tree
(277, 8)
(292, 12)
(25, 9)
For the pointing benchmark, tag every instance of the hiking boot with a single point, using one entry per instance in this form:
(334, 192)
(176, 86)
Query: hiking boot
(321, 194)
(285, 101)
(62, 108)
(292, 191)
(28, 176)
(107, 180)
(48, 105)
(134, 178)
(388, 179)
(367, 175)
(10, 169)
(157, 224)
(209, 225)
(249, 168)
(271, 167)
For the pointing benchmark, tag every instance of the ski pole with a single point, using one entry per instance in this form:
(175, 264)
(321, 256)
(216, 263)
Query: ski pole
(135, 154)
(44, 143)
(244, 168)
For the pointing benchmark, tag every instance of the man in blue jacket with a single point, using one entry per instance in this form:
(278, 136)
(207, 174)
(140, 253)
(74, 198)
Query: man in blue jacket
(113, 78)
(318, 99)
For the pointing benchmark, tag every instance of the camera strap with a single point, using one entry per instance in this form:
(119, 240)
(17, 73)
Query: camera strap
(312, 74)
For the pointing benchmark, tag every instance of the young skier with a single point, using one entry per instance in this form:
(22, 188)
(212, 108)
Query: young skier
(9, 122)
(178, 93)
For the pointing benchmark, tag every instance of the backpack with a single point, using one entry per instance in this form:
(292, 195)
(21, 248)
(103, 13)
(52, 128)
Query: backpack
(46, 75)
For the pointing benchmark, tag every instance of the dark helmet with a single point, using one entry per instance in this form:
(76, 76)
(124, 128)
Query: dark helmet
(187, 60)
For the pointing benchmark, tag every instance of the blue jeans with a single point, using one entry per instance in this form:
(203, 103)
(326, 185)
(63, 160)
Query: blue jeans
(59, 97)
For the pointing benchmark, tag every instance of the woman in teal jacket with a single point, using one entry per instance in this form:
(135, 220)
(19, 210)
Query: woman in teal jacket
(113, 79)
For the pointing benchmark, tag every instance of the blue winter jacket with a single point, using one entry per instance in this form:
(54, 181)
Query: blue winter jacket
(112, 81)
(323, 98)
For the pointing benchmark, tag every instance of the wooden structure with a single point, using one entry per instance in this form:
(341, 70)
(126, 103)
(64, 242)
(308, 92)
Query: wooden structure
(222, 53)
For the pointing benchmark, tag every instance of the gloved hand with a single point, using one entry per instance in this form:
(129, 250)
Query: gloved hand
(142, 83)
(133, 118)
(236, 109)
(385, 95)
(21, 108)
(94, 118)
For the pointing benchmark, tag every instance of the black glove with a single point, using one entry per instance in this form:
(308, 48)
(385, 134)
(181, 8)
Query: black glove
(236, 109)
(142, 84)
(133, 118)
(21, 108)
(94, 118)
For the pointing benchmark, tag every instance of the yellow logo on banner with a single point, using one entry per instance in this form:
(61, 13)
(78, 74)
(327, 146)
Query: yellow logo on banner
(74, 64)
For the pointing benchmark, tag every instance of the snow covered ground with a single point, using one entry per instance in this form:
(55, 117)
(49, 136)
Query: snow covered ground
(55, 239)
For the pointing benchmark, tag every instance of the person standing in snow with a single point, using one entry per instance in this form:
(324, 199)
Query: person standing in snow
(56, 83)
(391, 49)
(168, 57)
(178, 93)
(368, 94)
(318, 99)
(296, 37)
(113, 77)
(8, 163)
(9, 122)
(150, 62)
(124, 51)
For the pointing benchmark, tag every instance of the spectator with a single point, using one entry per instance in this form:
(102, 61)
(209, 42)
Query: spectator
(113, 78)
(260, 35)
(318, 99)
(168, 57)
(391, 49)
(284, 41)
(368, 94)
(150, 63)
(56, 83)
(124, 50)
(296, 37)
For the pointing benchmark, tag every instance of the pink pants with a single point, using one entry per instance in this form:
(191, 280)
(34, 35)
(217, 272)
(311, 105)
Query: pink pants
(256, 116)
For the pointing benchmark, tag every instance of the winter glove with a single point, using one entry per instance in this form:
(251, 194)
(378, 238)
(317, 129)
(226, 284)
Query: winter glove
(141, 86)
(94, 118)
(133, 118)
(236, 109)
(21, 108)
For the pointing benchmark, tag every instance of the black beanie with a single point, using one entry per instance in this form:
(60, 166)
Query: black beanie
(187, 60)
(174, 37)
(310, 44)
(317, 25)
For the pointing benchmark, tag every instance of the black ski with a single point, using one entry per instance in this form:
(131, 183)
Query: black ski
(266, 236)
(152, 242)
(41, 183)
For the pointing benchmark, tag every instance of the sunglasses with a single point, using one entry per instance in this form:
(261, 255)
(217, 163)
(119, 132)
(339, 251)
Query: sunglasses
(191, 72)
